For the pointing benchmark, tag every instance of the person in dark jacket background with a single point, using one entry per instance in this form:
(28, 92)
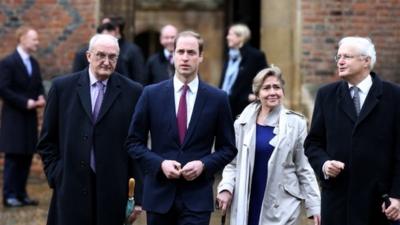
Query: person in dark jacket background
(241, 66)
(160, 65)
(22, 92)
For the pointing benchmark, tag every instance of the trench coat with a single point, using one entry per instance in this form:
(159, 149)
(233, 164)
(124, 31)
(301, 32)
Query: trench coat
(290, 180)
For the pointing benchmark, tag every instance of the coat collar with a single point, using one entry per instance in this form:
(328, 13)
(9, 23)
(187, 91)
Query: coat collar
(373, 97)
(112, 91)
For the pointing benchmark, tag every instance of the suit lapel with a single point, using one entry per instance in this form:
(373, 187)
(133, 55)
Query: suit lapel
(22, 66)
(84, 93)
(112, 91)
(168, 98)
(345, 102)
(372, 99)
(197, 110)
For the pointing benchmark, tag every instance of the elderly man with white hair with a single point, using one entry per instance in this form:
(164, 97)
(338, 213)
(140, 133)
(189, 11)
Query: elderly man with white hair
(353, 144)
(82, 146)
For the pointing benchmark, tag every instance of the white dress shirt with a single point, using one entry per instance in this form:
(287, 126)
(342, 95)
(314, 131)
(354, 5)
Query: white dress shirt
(190, 95)
(363, 87)
(25, 59)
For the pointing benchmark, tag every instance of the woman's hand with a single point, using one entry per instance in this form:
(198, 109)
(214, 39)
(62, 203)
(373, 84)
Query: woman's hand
(224, 199)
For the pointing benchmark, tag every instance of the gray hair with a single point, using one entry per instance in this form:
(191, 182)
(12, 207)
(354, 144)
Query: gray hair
(259, 79)
(364, 45)
(101, 37)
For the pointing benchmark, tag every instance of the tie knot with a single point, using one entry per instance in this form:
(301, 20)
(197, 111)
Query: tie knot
(355, 90)
(100, 85)
(185, 87)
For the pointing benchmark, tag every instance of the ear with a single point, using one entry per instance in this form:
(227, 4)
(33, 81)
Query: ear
(201, 57)
(88, 54)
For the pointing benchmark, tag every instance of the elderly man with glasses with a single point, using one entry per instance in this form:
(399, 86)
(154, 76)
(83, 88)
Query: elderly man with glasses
(82, 146)
(353, 144)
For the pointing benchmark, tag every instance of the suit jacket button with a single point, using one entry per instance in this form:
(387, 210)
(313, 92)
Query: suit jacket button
(83, 164)
(85, 138)
(84, 192)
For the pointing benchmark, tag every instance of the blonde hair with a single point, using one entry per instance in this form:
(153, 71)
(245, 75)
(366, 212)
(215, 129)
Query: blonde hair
(21, 31)
(242, 31)
(263, 74)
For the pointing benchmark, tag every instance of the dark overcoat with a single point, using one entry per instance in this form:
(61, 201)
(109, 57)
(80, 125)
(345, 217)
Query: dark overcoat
(369, 146)
(253, 60)
(18, 133)
(65, 144)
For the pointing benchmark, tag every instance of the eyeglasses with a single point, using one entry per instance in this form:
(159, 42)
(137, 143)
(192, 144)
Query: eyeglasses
(101, 56)
(346, 57)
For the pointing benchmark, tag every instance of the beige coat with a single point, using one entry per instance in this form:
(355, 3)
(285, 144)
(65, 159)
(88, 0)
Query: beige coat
(291, 179)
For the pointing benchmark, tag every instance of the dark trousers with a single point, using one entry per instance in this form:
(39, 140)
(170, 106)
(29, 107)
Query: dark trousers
(16, 171)
(179, 214)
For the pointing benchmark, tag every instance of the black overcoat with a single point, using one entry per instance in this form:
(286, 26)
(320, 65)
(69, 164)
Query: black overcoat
(253, 60)
(18, 133)
(369, 145)
(65, 144)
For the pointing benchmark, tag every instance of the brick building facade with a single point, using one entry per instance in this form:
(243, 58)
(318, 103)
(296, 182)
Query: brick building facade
(300, 36)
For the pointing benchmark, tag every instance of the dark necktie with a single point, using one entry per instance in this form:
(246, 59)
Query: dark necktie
(95, 114)
(356, 99)
(182, 114)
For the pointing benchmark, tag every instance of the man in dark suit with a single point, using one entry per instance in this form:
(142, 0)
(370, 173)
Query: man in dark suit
(185, 118)
(354, 144)
(22, 92)
(85, 125)
(241, 66)
(160, 66)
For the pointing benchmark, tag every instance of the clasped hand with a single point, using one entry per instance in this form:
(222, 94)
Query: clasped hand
(172, 169)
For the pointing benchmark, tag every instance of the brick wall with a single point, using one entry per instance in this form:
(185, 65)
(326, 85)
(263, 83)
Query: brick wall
(325, 22)
(63, 26)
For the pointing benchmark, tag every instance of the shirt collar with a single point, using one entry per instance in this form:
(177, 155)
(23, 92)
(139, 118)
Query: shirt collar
(24, 55)
(193, 85)
(93, 79)
(364, 85)
(167, 53)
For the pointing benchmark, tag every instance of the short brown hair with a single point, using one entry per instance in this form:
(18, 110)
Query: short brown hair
(189, 33)
(263, 74)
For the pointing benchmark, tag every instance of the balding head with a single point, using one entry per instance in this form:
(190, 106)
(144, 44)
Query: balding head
(167, 37)
(102, 55)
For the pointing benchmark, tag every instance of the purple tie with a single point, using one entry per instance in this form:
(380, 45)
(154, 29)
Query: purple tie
(182, 114)
(96, 110)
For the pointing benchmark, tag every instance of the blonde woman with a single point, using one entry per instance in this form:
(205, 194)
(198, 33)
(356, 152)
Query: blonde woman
(270, 177)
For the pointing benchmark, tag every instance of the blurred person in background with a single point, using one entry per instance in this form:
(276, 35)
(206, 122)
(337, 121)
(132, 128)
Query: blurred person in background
(160, 66)
(22, 92)
(241, 65)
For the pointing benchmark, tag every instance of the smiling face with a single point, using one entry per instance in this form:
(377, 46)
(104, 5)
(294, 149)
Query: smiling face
(103, 57)
(271, 93)
(167, 37)
(352, 66)
(187, 58)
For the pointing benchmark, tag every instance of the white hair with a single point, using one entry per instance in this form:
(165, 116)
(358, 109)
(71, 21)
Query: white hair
(102, 37)
(364, 45)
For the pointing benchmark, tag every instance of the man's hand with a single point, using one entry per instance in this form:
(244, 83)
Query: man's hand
(317, 219)
(135, 214)
(31, 104)
(224, 199)
(192, 170)
(171, 169)
(393, 211)
(333, 168)
(41, 102)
